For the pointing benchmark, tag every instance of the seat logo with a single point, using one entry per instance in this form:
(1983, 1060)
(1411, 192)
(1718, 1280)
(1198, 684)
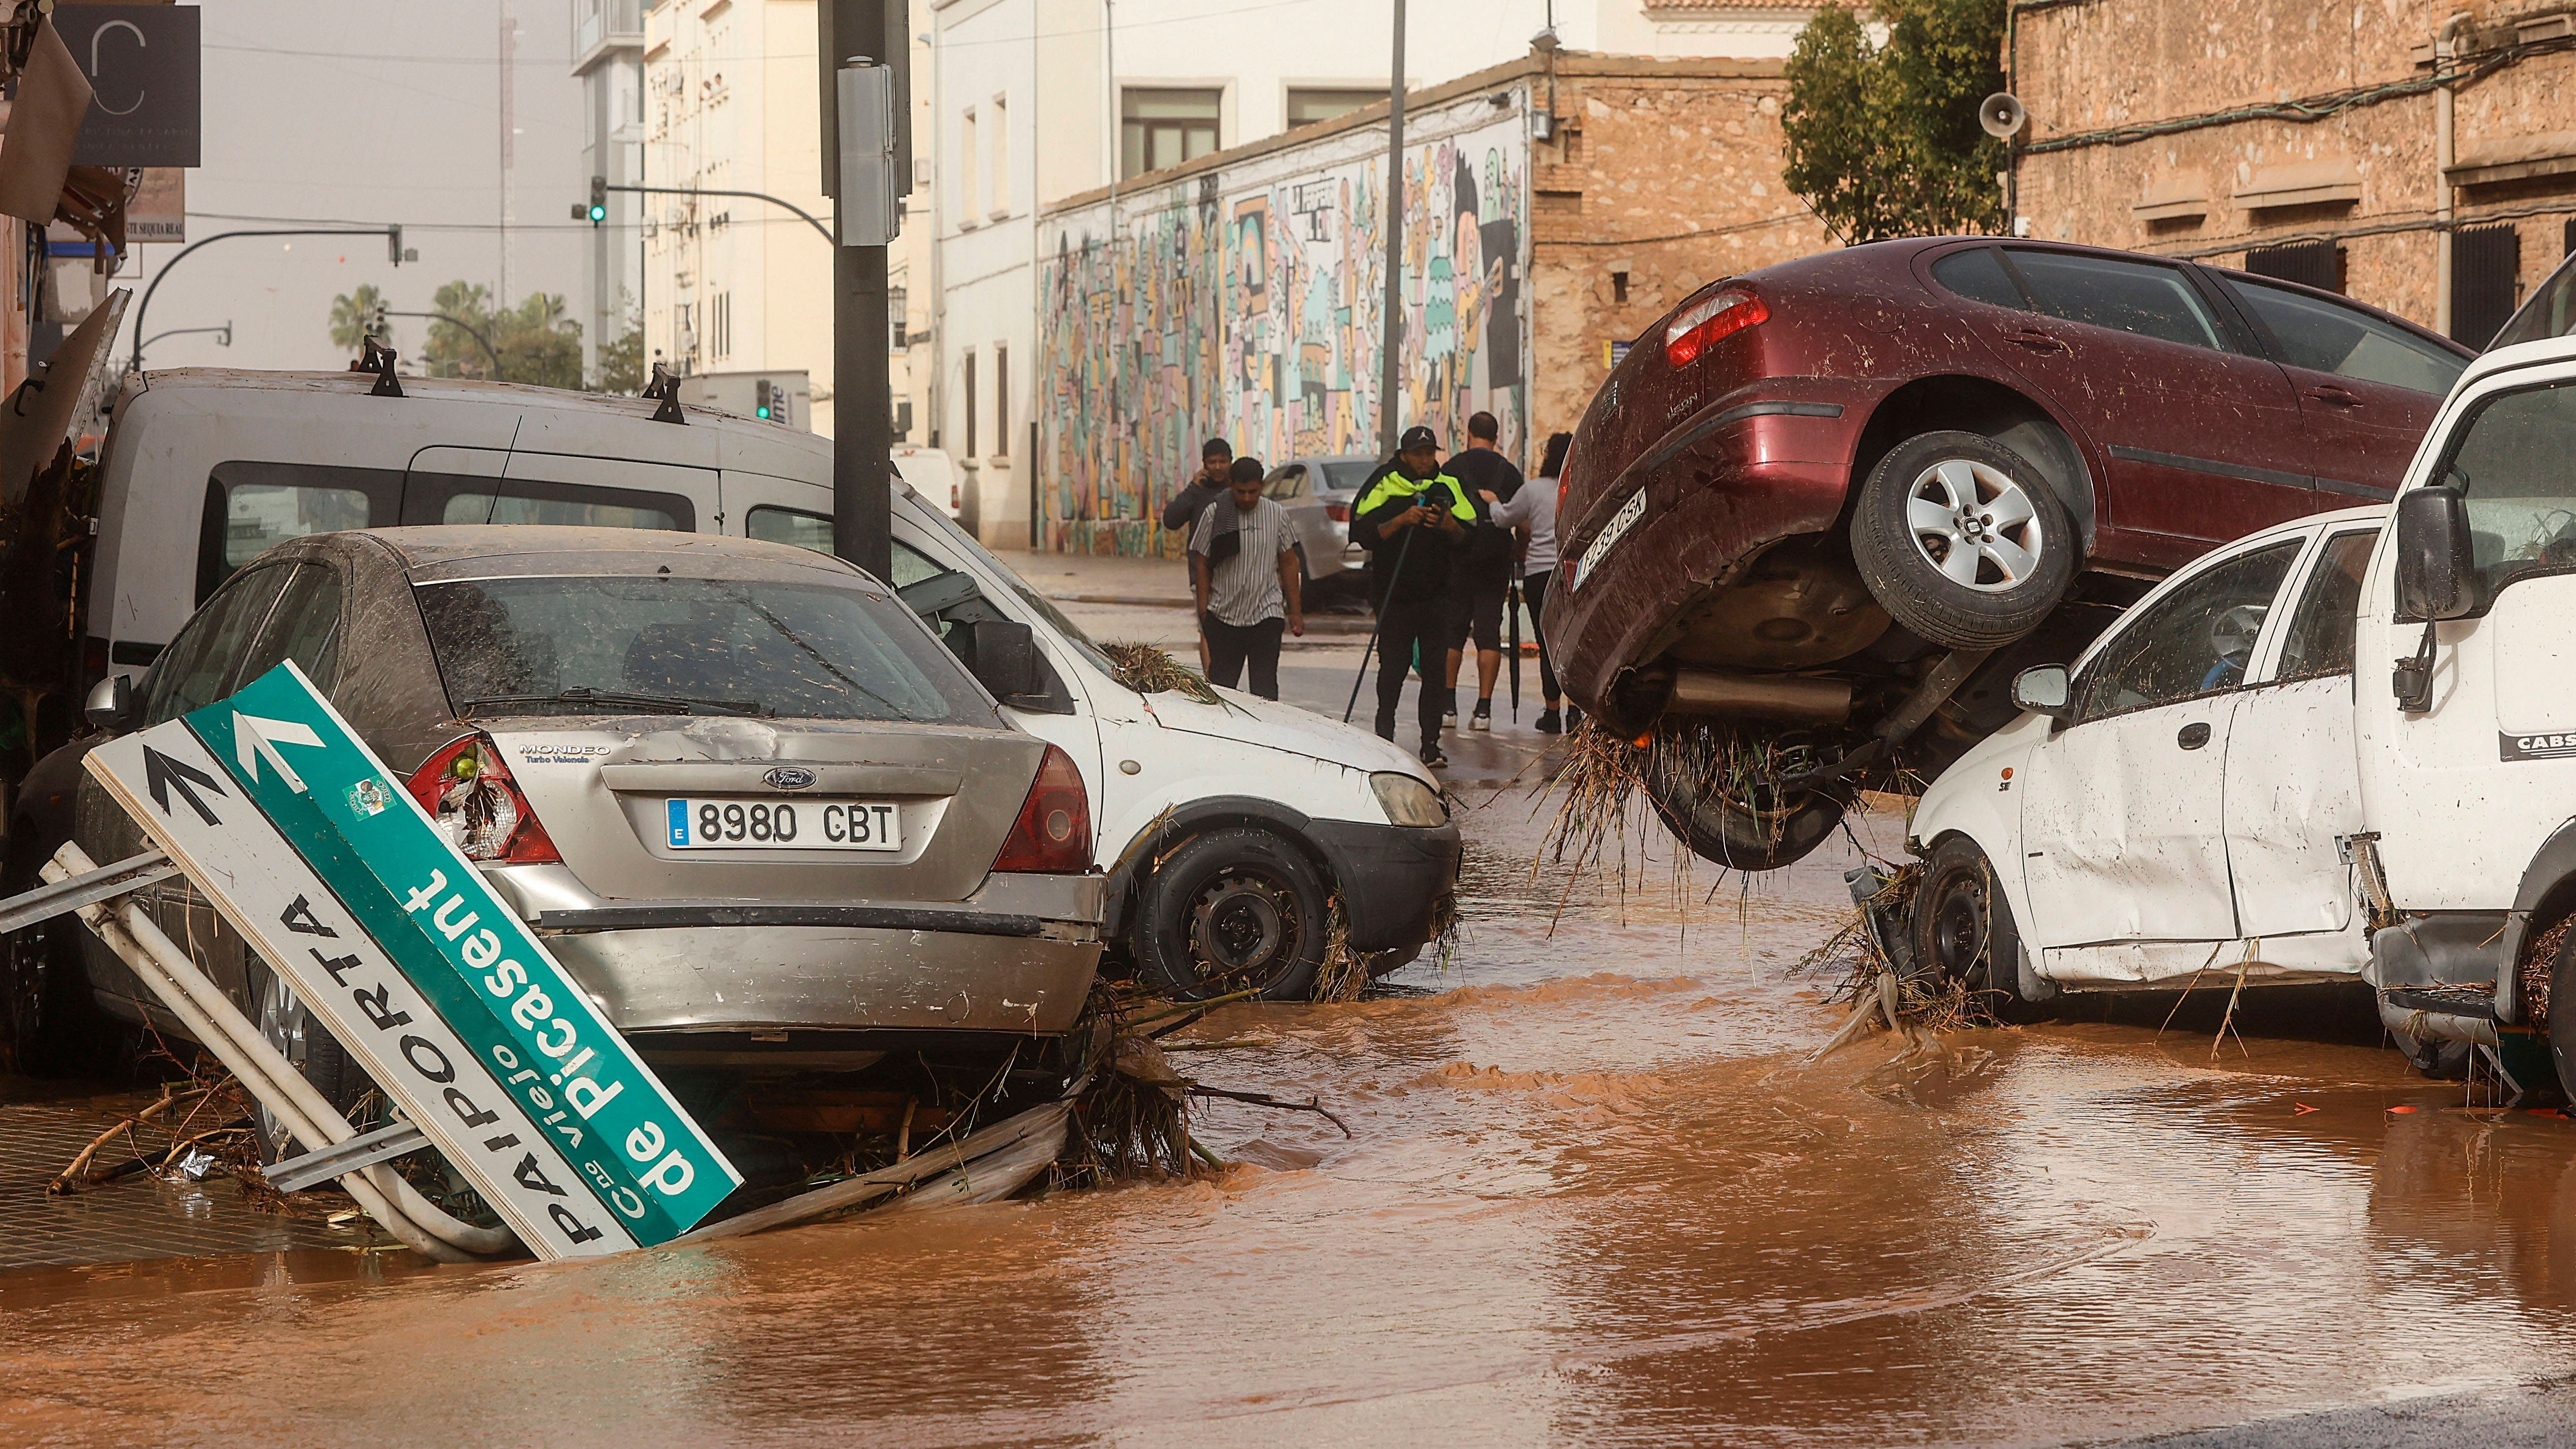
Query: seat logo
(789, 777)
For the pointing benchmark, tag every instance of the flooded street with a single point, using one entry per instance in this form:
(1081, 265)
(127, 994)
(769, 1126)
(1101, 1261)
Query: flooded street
(1592, 1193)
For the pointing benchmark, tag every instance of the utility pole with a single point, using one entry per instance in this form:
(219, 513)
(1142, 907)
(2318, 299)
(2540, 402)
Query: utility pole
(870, 38)
(1391, 323)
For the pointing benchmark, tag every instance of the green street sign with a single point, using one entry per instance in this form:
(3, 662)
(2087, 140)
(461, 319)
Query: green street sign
(491, 982)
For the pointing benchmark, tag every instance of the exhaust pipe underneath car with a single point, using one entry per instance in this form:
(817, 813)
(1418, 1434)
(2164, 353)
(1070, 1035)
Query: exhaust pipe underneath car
(1786, 697)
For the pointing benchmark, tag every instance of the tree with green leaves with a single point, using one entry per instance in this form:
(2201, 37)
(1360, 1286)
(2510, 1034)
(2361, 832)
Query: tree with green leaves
(1882, 140)
(621, 359)
(354, 315)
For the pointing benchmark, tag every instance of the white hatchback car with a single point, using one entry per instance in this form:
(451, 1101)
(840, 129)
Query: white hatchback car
(1231, 833)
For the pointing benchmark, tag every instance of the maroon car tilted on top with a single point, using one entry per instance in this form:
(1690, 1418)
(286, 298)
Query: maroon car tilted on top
(1823, 512)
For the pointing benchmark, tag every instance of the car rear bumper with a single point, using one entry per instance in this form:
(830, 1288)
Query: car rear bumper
(832, 978)
(1392, 879)
(1715, 495)
(1017, 956)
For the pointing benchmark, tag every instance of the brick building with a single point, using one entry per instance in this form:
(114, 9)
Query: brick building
(2307, 141)
(1554, 206)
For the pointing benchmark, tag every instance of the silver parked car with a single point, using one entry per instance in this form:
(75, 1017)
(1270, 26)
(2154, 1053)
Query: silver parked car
(1318, 492)
(754, 805)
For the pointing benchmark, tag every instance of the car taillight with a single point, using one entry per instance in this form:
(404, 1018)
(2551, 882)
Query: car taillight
(468, 792)
(1722, 313)
(1338, 512)
(956, 497)
(1053, 833)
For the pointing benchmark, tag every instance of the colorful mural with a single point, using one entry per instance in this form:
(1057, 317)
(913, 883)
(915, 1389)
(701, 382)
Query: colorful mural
(1247, 308)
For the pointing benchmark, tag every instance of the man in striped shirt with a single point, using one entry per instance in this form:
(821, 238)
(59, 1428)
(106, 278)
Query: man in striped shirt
(1243, 564)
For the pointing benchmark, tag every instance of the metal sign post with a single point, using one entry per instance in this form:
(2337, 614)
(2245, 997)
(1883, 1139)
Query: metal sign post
(310, 848)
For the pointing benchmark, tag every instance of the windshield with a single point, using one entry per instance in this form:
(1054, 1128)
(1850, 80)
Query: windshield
(1055, 617)
(666, 645)
(2550, 311)
(2510, 458)
(1347, 477)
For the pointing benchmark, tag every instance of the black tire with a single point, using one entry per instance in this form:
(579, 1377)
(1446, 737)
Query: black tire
(1233, 909)
(2562, 1014)
(1963, 929)
(289, 1026)
(53, 1022)
(2000, 524)
(1745, 835)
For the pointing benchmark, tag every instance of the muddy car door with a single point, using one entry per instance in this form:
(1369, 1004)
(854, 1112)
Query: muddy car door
(2125, 855)
(2367, 387)
(2293, 785)
(2199, 436)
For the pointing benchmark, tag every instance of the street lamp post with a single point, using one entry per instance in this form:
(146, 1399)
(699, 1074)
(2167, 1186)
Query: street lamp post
(223, 338)
(1391, 321)
(781, 202)
(461, 325)
(392, 234)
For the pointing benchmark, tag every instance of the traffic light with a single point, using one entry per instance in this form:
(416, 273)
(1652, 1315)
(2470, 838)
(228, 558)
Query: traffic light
(598, 200)
(760, 407)
(393, 244)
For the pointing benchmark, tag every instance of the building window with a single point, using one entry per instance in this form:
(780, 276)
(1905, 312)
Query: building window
(1001, 169)
(899, 316)
(966, 192)
(1001, 401)
(968, 393)
(720, 325)
(1307, 105)
(2486, 264)
(2318, 264)
(1165, 128)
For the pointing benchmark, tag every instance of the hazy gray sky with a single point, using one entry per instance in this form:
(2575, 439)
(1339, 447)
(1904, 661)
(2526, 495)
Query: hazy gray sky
(369, 111)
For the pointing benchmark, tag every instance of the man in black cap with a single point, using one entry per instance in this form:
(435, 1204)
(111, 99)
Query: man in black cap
(1411, 517)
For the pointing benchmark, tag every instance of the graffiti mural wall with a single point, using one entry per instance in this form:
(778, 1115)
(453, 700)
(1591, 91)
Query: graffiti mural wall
(1245, 304)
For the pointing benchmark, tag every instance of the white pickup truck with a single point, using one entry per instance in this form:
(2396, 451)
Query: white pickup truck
(2337, 749)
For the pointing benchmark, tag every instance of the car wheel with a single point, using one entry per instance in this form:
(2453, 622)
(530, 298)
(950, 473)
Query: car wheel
(2562, 1022)
(54, 1025)
(1747, 830)
(1963, 929)
(1962, 541)
(1232, 910)
(289, 1026)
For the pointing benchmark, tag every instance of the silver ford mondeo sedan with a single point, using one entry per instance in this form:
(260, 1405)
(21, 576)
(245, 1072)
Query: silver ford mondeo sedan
(762, 814)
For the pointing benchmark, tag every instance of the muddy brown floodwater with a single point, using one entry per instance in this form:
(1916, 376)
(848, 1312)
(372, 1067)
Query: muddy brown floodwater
(1593, 1194)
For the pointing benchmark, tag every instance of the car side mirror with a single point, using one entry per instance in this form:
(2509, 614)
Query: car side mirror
(1006, 658)
(112, 704)
(2043, 689)
(2437, 570)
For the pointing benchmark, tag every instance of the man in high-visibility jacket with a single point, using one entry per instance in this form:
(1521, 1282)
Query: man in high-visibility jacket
(1411, 517)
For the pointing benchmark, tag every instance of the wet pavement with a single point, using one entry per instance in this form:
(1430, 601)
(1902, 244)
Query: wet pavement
(1594, 1192)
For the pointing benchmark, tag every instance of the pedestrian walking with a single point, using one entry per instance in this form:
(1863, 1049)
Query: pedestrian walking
(1531, 515)
(1207, 485)
(1480, 569)
(1410, 516)
(1243, 567)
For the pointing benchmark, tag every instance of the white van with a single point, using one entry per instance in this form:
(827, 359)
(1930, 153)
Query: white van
(1232, 833)
(2342, 748)
(933, 475)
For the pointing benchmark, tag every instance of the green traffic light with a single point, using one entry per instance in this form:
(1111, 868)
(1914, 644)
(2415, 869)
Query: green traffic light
(764, 412)
(598, 213)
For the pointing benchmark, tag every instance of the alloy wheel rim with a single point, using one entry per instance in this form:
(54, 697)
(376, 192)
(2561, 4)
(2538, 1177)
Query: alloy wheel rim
(282, 1020)
(1975, 525)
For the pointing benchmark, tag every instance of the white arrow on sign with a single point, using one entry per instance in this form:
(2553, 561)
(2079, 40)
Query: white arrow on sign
(259, 740)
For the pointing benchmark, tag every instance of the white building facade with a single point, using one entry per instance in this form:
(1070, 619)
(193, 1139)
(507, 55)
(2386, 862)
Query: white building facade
(736, 284)
(608, 60)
